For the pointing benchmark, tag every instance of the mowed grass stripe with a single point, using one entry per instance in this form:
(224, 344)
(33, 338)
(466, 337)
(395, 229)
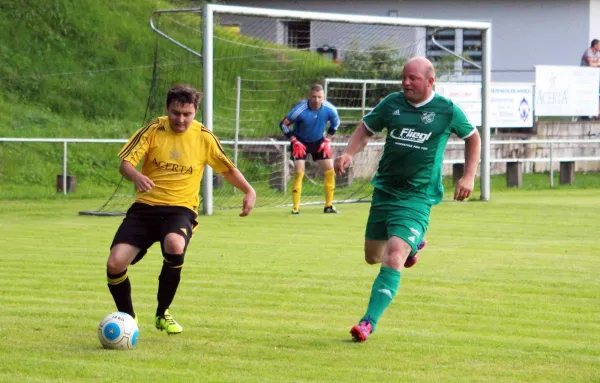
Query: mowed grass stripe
(506, 291)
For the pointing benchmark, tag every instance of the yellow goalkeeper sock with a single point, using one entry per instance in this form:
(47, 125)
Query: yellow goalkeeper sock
(329, 186)
(297, 189)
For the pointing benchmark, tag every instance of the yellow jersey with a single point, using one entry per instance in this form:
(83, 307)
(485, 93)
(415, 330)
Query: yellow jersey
(174, 161)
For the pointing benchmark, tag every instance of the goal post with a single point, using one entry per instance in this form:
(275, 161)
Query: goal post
(212, 11)
(254, 64)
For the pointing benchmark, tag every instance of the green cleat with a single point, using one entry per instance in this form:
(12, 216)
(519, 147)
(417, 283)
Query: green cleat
(166, 322)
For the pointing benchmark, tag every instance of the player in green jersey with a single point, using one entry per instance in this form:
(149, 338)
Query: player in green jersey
(409, 177)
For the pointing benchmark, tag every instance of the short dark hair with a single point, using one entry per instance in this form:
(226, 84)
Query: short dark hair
(594, 42)
(316, 87)
(183, 94)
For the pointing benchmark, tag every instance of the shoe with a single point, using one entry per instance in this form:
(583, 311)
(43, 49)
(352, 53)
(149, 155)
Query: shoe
(361, 331)
(166, 322)
(413, 259)
(295, 211)
(329, 210)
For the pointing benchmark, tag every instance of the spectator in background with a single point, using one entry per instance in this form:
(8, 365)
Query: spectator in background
(591, 58)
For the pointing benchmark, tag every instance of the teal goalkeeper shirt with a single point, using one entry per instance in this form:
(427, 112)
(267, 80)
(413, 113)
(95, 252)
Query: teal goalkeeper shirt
(411, 165)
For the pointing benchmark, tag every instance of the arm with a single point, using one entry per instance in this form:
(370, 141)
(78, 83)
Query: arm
(591, 62)
(284, 125)
(358, 141)
(298, 149)
(466, 184)
(237, 179)
(334, 123)
(590, 59)
(142, 183)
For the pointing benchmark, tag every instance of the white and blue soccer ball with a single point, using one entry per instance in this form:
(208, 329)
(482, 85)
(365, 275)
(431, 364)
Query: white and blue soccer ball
(118, 331)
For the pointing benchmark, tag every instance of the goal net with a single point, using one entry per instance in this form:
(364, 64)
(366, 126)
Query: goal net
(254, 65)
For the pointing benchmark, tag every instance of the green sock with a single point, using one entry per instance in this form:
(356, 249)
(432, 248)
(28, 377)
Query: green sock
(384, 290)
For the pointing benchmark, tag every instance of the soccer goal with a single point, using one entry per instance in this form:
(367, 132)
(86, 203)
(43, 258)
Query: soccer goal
(254, 64)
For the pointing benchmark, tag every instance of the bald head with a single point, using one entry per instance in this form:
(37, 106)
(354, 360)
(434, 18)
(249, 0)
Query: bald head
(422, 64)
(418, 77)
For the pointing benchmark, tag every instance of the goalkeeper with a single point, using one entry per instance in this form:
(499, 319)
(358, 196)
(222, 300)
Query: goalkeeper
(309, 119)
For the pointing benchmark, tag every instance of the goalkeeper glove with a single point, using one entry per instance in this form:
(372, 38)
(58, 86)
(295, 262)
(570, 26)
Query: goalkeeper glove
(298, 148)
(325, 148)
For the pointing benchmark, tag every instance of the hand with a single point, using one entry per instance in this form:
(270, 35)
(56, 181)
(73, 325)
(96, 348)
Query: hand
(342, 163)
(248, 203)
(143, 183)
(325, 148)
(298, 148)
(464, 188)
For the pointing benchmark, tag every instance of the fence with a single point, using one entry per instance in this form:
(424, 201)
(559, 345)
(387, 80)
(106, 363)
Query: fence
(551, 159)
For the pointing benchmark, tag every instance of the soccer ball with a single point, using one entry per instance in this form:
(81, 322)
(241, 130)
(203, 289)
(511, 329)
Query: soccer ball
(118, 331)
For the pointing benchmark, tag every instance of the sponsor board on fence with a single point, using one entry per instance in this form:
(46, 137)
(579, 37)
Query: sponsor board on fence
(566, 90)
(511, 104)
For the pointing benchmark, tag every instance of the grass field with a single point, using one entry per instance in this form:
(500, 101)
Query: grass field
(506, 291)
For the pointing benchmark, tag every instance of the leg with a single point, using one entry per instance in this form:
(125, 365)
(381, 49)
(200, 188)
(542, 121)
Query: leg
(374, 250)
(299, 166)
(328, 183)
(170, 275)
(121, 256)
(134, 236)
(414, 257)
(396, 253)
(392, 235)
(384, 288)
(177, 231)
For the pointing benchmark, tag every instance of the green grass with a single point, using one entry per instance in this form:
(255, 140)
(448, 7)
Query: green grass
(99, 179)
(85, 69)
(506, 291)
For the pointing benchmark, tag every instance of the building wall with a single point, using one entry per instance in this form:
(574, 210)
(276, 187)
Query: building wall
(342, 36)
(594, 20)
(525, 33)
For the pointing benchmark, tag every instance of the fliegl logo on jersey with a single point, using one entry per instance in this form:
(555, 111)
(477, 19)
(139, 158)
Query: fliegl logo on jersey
(410, 135)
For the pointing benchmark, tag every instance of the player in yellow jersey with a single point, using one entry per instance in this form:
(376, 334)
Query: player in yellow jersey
(174, 151)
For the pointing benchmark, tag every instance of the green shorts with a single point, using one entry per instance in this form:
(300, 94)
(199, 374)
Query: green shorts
(390, 216)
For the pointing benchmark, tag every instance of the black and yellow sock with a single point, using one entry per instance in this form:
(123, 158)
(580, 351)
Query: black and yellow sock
(297, 189)
(329, 186)
(168, 281)
(120, 289)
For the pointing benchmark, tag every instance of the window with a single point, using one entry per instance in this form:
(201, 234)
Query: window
(471, 47)
(444, 37)
(298, 34)
(463, 42)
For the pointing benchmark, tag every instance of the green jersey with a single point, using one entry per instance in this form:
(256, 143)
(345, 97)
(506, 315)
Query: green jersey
(411, 165)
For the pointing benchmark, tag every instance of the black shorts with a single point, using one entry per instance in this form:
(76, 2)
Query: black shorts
(312, 149)
(144, 224)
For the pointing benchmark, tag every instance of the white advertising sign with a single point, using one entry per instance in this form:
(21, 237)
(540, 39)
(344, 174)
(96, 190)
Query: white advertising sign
(566, 90)
(464, 94)
(511, 104)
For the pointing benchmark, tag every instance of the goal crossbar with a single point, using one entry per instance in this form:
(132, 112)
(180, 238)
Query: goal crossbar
(210, 12)
(346, 18)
